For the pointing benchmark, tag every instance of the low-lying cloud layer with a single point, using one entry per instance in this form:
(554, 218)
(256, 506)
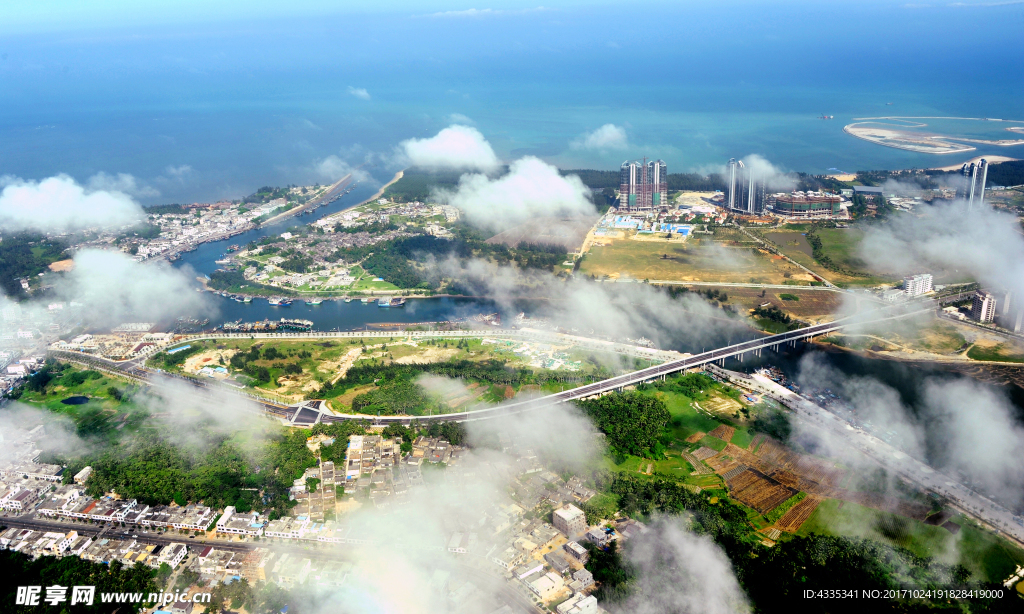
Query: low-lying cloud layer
(456, 147)
(531, 188)
(983, 244)
(59, 204)
(115, 288)
(681, 573)
(333, 168)
(957, 425)
(607, 137)
(594, 309)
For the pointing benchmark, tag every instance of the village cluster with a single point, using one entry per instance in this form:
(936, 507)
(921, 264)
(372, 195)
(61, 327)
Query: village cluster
(543, 560)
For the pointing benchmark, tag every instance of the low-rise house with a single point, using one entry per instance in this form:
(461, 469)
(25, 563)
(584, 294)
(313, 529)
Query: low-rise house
(576, 552)
(233, 523)
(173, 554)
(546, 586)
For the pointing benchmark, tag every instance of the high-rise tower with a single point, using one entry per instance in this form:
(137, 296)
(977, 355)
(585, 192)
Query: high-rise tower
(745, 191)
(643, 186)
(972, 183)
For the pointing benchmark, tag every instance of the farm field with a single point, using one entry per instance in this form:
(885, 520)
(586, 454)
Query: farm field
(756, 490)
(795, 516)
(986, 555)
(628, 259)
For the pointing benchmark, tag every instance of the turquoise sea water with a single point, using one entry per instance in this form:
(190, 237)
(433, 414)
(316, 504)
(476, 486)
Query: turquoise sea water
(208, 110)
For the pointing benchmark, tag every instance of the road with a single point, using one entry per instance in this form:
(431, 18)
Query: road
(303, 415)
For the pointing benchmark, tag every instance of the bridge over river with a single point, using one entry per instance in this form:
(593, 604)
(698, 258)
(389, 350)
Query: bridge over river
(312, 412)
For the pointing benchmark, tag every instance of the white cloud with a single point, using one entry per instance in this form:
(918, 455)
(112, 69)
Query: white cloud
(531, 188)
(455, 147)
(459, 118)
(476, 13)
(936, 239)
(359, 92)
(678, 571)
(332, 168)
(179, 172)
(60, 204)
(115, 288)
(608, 136)
(121, 182)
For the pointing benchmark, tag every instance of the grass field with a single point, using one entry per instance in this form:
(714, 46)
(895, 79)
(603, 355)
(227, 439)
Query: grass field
(986, 555)
(924, 334)
(101, 415)
(1002, 352)
(812, 304)
(839, 244)
(687, 262)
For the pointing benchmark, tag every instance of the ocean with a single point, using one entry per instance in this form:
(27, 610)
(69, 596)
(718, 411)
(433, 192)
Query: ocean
(203, 110)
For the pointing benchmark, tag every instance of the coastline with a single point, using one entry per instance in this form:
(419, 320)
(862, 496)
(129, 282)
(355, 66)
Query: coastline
(376, 195)
(297, 210)
(913, 148)
(975, 160)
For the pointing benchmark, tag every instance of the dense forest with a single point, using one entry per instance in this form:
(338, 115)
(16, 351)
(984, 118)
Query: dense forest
(393, 260)
(18, 569)
(418, 184)
(174, 209)
(265, 195)
(212, 469)
(26, 254)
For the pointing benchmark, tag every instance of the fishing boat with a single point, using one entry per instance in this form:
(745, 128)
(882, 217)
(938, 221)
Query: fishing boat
(398, 302)
(315, 301)
(366, 300)
(348, 299)
(247, 299)
(384, 302)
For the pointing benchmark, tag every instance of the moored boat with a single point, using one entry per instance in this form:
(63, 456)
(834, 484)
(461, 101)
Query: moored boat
(314, 301)
(398, 302)
(384, 302)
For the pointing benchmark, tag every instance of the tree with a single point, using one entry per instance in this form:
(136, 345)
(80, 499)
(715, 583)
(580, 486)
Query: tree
(633, 421)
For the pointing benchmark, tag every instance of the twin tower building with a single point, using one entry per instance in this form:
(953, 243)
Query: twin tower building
(643, 187)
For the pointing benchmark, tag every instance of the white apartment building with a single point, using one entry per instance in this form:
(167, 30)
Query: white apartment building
(916, 285)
